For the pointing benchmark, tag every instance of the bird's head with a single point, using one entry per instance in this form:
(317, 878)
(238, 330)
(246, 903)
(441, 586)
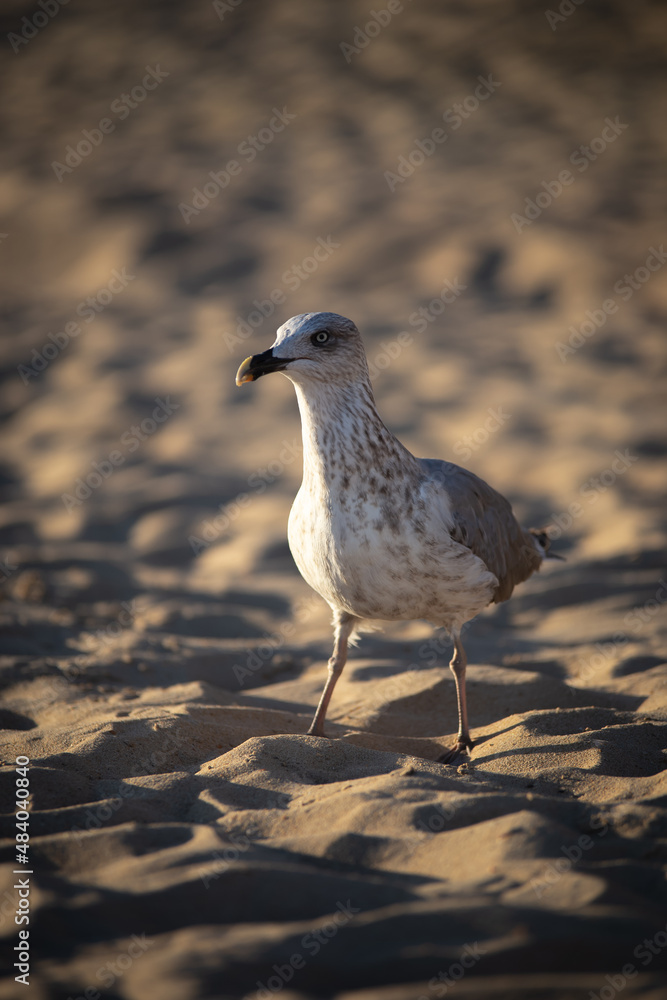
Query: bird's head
(312, 347)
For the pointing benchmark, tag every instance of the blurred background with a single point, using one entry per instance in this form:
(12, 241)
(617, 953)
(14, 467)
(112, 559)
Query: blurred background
(481, 187)
(179, 179)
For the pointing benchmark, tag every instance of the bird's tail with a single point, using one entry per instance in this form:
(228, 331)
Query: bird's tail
(541, 536)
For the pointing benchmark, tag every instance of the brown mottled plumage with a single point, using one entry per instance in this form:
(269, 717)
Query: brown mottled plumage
(379, 533)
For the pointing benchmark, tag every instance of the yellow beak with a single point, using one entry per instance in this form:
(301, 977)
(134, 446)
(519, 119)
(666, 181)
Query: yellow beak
(244, 374)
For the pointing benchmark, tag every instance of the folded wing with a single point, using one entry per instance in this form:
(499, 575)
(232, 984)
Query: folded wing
(484, 522)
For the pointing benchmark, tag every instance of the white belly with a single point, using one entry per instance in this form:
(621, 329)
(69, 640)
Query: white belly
(375, 565)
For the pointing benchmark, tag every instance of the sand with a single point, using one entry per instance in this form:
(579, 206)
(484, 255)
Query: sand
(161, 656)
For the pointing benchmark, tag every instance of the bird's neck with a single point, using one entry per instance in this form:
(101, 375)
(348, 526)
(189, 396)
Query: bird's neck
(343, 435)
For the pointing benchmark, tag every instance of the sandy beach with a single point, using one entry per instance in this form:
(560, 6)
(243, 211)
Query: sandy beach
(480, 187)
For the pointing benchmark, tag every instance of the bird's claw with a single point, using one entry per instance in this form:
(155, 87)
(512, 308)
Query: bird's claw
(460, 747)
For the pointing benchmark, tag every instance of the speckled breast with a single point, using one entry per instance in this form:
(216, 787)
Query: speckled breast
(375, 563)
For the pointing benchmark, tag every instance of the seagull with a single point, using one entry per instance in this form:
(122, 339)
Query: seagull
(377, 532)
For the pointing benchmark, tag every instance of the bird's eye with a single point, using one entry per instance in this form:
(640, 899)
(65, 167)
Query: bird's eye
(320, 338)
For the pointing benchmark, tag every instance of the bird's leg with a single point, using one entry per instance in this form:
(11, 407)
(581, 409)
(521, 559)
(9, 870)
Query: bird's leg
(457, 666)
(344, 624)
